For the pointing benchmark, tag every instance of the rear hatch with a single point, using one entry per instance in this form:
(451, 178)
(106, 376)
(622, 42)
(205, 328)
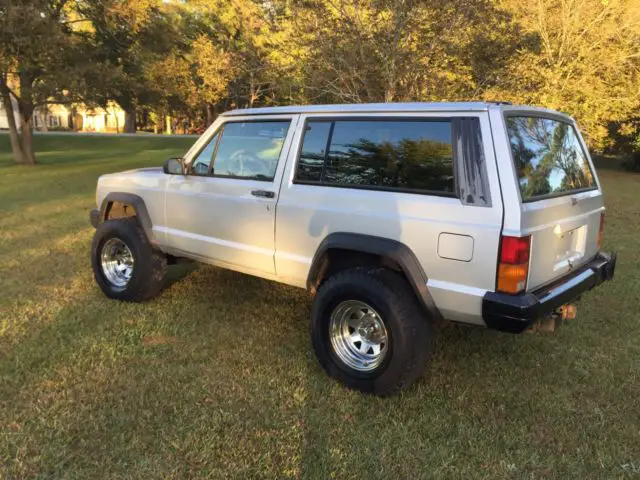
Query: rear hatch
(561, 202)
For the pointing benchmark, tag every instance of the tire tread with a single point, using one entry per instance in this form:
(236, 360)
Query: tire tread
(151, 265)
(399, 298)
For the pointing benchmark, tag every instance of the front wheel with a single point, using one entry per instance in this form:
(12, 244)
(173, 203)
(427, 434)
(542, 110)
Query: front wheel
(368, 331)
(125, 265)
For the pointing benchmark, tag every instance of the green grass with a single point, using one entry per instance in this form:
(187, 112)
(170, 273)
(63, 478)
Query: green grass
(216, 377)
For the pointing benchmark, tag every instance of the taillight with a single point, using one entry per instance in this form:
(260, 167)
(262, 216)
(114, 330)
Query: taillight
(513, 265)
(601, 231)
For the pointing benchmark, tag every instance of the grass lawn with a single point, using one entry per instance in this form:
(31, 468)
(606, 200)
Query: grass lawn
(216, 377)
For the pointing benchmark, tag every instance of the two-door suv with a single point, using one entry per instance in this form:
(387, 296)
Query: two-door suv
(395, 217)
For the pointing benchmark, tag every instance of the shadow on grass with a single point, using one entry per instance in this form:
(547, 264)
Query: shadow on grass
(228, 386)
(88, 388)
(68, 324)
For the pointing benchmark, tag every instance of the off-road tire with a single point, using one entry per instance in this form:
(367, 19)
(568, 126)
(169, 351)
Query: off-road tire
(148, 277)
(411, 334)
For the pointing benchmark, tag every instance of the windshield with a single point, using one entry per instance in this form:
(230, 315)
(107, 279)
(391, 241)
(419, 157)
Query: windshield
(548, 157)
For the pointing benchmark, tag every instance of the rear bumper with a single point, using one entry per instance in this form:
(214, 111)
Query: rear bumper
(516, 313)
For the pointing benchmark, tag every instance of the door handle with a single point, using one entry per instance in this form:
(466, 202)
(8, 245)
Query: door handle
(263, 193)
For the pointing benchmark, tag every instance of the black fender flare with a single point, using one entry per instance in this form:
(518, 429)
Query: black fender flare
(385, 248)
(138, 203)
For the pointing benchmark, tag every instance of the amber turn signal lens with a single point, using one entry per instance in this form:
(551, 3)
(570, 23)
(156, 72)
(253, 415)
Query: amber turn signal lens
(512, 278)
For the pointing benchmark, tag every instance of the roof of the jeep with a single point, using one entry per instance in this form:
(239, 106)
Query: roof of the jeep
(382, 108)
(364, 107)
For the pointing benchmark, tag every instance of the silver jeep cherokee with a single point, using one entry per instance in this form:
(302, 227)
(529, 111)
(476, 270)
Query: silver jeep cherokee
(395, 217)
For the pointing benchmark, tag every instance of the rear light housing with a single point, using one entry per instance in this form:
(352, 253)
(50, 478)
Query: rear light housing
(601, 231)
(513, 264)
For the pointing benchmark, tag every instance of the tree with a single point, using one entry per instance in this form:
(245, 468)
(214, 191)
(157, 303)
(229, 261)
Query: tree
(229, 55)
(128, 37)
(194, 80)
(260, 30)
(237, 56)
(41, 62)
(401, 50)
(581, 57)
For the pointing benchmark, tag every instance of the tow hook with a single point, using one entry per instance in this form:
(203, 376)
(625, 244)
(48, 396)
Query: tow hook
(555, 319)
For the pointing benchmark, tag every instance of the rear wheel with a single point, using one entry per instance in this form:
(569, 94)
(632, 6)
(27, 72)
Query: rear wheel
(125, 265)
(368, 331)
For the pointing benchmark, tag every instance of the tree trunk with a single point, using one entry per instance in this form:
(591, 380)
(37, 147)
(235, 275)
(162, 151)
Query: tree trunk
(251, 95)
(43, 121)
(27, 140)
(130, 119)
(210, 114)
(26, 110)
(14, 135)
(114, 112)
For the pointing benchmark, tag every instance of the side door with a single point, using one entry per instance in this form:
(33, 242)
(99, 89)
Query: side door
(223, 210)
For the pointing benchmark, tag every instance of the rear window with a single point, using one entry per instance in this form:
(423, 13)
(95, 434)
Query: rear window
(548, 157)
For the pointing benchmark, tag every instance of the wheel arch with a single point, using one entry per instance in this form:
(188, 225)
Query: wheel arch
(360, 250)
(114, 200)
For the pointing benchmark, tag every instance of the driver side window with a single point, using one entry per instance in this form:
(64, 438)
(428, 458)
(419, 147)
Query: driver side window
(250, 149)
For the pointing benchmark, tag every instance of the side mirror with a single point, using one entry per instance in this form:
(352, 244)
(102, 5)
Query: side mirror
(174, 166)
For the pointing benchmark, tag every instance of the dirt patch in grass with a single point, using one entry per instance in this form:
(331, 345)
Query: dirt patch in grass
(153, 340)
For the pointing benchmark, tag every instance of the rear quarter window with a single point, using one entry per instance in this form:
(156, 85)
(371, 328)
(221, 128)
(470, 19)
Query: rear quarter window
(403, 155)
(548, 157)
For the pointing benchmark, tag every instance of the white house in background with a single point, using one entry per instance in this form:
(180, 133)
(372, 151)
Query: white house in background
(89, 119)
(81, 118)
(4, 122)
(52, 116)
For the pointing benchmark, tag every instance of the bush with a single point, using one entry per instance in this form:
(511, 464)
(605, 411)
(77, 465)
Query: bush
(632, 163)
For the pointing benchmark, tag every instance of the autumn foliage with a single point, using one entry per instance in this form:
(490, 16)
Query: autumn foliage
(194, 59)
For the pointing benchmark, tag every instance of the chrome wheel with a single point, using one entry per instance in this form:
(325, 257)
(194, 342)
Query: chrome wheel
(117, 262)
(358, 335)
